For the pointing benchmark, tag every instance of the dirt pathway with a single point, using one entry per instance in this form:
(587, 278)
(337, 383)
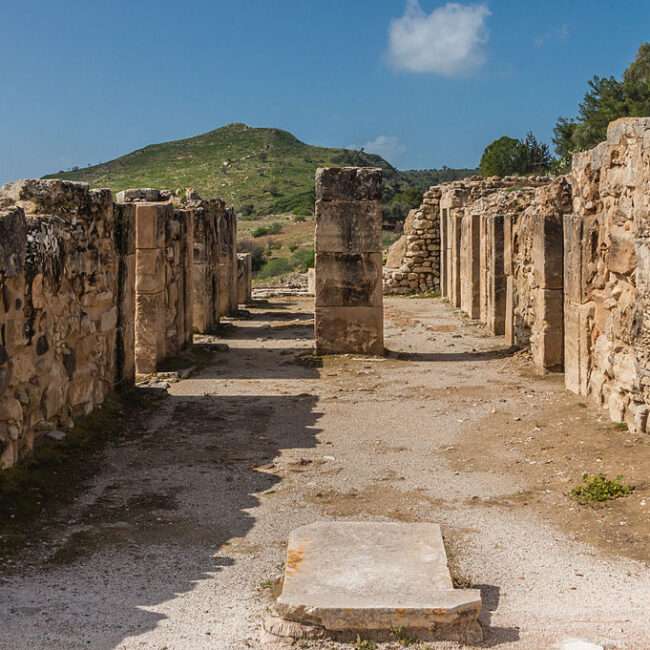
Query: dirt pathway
(175, 542)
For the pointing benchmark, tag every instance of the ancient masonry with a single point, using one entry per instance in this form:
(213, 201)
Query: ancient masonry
(92, 291)
(349, 298)
(413, 263)
(559, 266)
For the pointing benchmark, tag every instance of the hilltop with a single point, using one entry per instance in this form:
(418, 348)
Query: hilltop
(258, 170)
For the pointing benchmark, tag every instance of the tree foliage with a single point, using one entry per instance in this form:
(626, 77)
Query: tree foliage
(508, 156)
(606, 99)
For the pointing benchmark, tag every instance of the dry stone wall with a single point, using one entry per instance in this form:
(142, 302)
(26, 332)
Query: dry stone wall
(413, 263)
(91, 290)
(562, 267)
(62, 312)
(607, 274)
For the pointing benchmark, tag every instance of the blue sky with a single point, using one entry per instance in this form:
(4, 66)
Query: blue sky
(425, 84)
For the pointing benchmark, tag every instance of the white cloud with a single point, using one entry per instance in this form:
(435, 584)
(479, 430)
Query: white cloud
(387, 146)
(449, 41)
(560, 33)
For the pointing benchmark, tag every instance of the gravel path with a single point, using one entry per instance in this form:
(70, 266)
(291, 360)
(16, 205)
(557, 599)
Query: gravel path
(175, 543)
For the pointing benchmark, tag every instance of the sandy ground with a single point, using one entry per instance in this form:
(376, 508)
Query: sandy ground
(175, 542)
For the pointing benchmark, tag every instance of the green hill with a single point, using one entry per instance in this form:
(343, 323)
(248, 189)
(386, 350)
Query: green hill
(259, 171)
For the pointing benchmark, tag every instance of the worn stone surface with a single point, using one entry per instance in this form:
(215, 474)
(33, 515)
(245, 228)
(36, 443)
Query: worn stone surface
(372, 576)
(348, 275)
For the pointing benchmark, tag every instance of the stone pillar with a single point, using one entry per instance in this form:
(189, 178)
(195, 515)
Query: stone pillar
(205, 265)
(509, 327)
(125, 230)
(234, 274)
(495, 276)
(484, 266)
(227, 263)
(443, 252)
(547, 340)
(470, 270)
(150, 327)
(349, 300)
(244, 278)
(456, 221)
(576, 343)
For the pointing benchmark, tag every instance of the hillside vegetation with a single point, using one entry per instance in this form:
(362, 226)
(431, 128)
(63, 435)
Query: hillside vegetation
(259, 171)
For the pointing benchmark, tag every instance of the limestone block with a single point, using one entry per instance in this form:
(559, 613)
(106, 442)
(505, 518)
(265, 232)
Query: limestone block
(349, 227)
(150, 225)
(547, 342)
(348, 184)
(548, 252)
(349, 330)
(357, 576)
(149, 331)
(150, 271)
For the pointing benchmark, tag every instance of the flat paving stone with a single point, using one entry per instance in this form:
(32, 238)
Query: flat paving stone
(373, 576)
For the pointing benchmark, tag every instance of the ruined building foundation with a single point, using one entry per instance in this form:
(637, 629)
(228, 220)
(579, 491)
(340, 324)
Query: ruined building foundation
(93, 290)
(349, 298)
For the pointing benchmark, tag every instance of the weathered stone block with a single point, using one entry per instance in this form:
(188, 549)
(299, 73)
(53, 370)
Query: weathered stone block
(150, 225)
(349, 330)
(349, 280)
(355, 576)
(348, 184)
(349, 227)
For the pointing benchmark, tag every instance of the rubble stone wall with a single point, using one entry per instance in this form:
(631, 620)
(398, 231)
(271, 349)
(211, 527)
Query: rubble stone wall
(348, 245)
(413, 263)
(607, 274)
(91, 290)
(66, 324)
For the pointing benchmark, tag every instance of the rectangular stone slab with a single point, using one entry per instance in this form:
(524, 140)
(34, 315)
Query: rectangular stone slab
(372, 576)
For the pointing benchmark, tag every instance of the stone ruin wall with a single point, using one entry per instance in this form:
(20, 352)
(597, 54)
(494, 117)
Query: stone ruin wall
(413, 264)
(60, 263)
(607, 274)
(83, 280)
(562, 267)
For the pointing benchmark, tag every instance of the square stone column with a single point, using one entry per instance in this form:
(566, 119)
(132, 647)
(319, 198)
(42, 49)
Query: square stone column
(470, 269)
(444, 292)
(150, 295)
(495, 276)
(455, 228)
(349, 295)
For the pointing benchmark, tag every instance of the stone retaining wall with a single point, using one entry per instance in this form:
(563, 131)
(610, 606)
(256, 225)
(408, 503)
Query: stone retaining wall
(90, 290)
